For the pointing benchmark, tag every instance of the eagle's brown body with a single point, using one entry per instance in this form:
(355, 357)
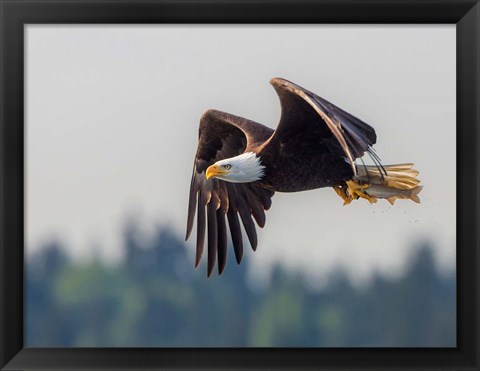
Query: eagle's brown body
(302, 169)
(314, 145)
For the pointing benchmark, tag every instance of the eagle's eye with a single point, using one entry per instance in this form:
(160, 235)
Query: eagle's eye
(227, 167)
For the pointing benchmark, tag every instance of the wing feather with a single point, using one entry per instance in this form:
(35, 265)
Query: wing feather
(256, 205)
(246, 217)
(221, 241)
(212, 237)
(192, 204)
(236, 233)
(200, 228)
(353, 136)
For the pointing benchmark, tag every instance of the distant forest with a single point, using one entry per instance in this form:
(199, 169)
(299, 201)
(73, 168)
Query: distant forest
(155, 298)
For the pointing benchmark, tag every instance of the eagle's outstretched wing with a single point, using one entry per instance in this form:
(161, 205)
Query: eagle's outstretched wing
(305, 113)
(221, 136)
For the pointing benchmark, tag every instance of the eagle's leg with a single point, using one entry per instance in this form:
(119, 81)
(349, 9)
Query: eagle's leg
(342, 192)
(356, 189)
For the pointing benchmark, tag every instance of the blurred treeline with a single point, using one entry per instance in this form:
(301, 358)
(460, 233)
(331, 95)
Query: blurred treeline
(156, 298)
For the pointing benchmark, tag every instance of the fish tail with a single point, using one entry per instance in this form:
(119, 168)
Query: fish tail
(414, 194)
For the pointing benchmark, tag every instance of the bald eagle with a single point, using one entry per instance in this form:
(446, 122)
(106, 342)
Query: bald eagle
(240, 164)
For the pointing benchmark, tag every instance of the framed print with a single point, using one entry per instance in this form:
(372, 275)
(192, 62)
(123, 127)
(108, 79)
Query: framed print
(115, 255)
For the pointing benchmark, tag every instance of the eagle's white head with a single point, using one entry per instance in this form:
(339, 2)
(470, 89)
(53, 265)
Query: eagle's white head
(244, 168)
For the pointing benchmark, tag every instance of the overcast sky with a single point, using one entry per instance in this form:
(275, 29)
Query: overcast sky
(112, 119)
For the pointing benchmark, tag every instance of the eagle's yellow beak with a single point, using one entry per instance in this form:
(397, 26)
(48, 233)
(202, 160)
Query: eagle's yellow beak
(213, 171)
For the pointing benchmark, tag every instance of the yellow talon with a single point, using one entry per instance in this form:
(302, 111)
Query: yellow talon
(356, 191)
(342, 192)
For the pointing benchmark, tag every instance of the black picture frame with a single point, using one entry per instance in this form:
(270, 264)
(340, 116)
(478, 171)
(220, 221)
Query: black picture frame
(15, 14)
